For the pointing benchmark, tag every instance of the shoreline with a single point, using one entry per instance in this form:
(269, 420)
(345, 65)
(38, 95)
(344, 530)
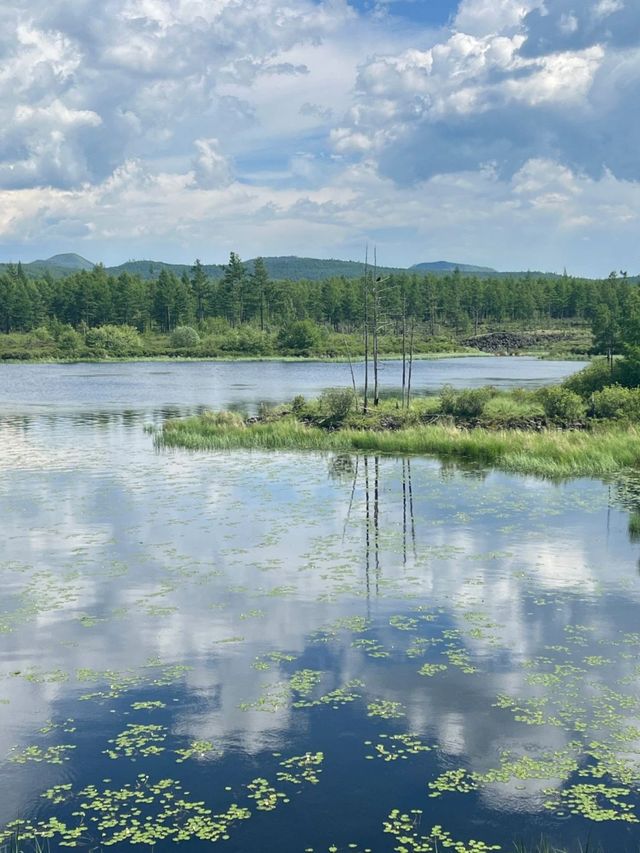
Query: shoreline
(293, 359)
(551, 453)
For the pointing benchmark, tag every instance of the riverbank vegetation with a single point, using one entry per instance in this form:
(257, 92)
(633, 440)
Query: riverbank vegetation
(92, 314)
(580, 428)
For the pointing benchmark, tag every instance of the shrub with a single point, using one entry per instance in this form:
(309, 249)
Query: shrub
(628, 369)
(595, 377)
(184, 337)
(247, 340)
(298, 404)
(69, 341)
(116, 341)
(469, 403)
(40, 336)
(299, 337)
(561, 404)
(336, 403)
(617, 403)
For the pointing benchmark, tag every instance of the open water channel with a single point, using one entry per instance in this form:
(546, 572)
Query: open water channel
(293, 652)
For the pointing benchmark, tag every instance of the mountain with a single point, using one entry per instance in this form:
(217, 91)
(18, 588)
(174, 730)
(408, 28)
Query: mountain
(70, 261)
(288, 267)
(285, 267)
(448, 266)
(151, 269)
(56, 266)
(315, 269)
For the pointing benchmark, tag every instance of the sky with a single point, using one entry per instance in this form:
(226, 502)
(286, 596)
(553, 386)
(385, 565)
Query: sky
(497, 132)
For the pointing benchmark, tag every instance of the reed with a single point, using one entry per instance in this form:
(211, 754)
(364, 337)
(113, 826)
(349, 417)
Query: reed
(552, 453)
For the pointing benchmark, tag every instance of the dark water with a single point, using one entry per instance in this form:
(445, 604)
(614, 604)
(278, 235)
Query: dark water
(174, 623)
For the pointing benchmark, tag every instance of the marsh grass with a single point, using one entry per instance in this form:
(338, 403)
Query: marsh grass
(551, 453)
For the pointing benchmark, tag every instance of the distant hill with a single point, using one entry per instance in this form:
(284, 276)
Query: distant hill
(288, 267)
(151, 269)
(449, 266)
(70, 261)
(315, 269)
(282, 267)
(56, 266)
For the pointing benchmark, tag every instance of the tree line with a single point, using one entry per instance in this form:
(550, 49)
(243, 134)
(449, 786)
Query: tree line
(454, 302)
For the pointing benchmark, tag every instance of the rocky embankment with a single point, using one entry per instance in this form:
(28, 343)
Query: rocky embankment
(508, 342)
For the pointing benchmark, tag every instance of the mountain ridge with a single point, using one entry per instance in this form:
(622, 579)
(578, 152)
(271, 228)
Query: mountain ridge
(279, 267)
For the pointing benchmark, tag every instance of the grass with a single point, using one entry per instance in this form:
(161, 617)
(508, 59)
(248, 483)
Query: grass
(549, 453)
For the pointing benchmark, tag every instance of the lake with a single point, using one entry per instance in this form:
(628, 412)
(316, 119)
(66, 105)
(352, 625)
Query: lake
(304, 652)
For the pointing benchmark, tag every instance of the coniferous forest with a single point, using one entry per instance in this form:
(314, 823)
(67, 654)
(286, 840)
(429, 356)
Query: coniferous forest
(245, 311)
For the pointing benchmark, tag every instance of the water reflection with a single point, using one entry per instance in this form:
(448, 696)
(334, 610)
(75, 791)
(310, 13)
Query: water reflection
(280, 580)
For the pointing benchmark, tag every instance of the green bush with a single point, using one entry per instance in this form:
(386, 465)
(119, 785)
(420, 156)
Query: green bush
(469, 403)
(617, 403)
(336, 403)
(561, 404)
(628, 369)
(184, 337)
(118, 341)
(595, 377)
(248, 340)
(40, 336)
(69, 341)
(298, 404)
(299, 337)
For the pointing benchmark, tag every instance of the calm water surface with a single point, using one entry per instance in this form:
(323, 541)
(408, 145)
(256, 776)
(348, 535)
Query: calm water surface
(141, 386)
(318, 640)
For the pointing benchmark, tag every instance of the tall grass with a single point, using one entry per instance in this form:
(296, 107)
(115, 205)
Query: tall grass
(550, 453)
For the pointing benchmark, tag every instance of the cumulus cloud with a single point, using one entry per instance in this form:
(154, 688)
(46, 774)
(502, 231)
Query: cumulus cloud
(278, 126)
(148, 73)
(485, 97)
(486, 17)
(211, 167)
(561, 25)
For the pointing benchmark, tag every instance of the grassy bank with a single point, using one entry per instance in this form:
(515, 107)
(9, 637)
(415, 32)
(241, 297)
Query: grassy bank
(552, 432)
(235, 357)
(550, 453)
(219, 341)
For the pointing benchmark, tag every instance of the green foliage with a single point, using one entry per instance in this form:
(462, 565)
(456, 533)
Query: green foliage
(561, 404)
(548, 453)
(336, 404)
(223, 419)
(469, 403)
(592, 378)
(629, 367)
(69, 341)
(616, 403)
(299, 337)
(247, 340)
(185, 337)
(298, 404)
(112, 340)
(513, 408)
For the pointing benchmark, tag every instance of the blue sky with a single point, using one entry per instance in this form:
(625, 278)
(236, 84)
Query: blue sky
(497, 132)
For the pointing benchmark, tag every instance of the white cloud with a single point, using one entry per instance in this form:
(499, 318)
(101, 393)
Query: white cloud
(211, 167)
(168, 126)
(487, 17)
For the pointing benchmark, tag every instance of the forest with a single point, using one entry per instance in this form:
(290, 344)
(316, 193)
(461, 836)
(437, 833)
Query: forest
(247, 311)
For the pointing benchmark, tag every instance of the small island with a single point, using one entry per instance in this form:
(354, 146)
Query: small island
(585, 427)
